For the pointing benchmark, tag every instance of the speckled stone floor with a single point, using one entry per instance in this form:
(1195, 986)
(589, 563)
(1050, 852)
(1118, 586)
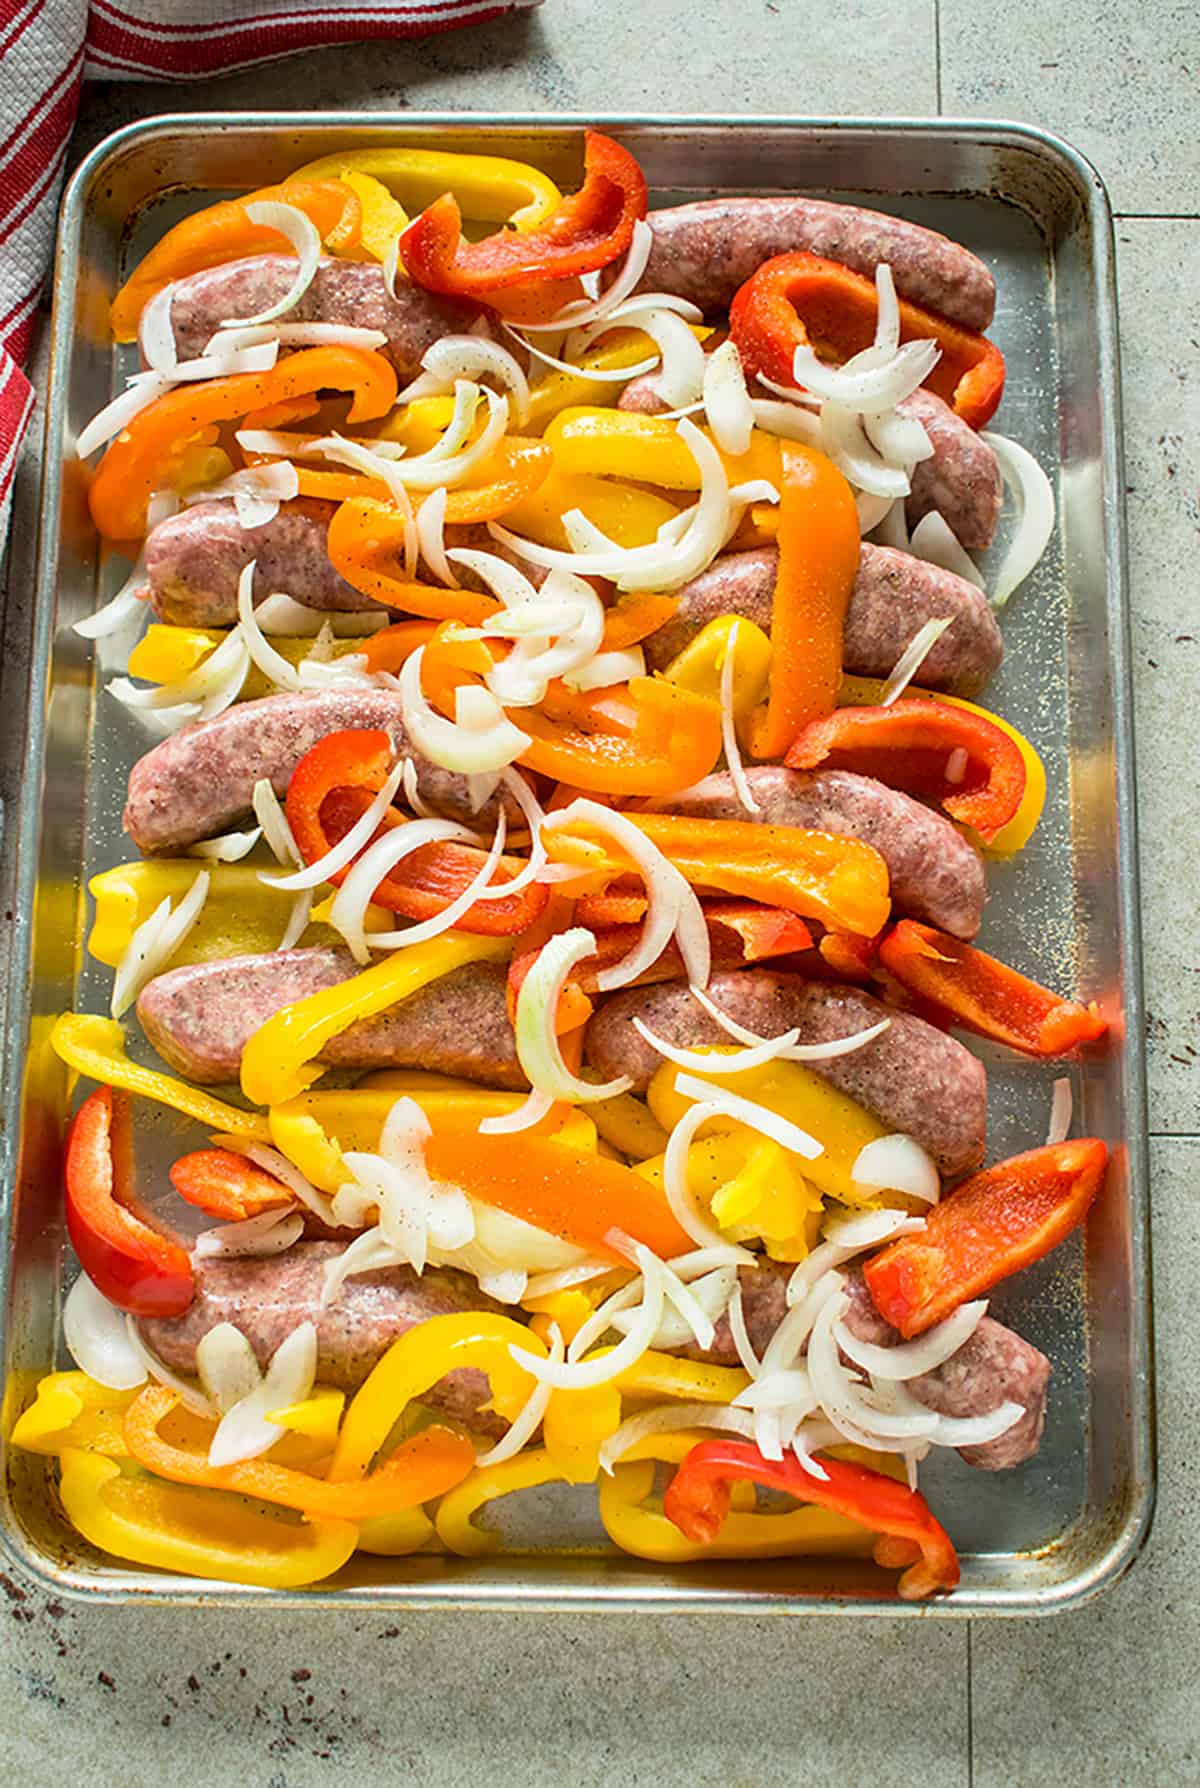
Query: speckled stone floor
(144, 1696)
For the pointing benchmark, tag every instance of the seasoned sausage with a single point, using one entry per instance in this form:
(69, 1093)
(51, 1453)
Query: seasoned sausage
(350, 292)
(932, 869)
(894, 595)
(267, 1299)
(201, 1016)
(914, 1078)
(200, 781)
(195, 559)
(706, 250)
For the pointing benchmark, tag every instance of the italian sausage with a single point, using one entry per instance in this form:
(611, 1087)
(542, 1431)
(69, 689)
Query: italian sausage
(931, 867)
(350, 292)
(705, 251)
(894, 595)
(914, 1078)
(195, 559)
(267, 1299)
(201, 1016)
(200, 781)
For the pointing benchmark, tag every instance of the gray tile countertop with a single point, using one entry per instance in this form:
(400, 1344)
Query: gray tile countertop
(144, 1695)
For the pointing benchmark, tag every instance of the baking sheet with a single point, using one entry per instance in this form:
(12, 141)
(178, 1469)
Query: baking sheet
(1068, 1522)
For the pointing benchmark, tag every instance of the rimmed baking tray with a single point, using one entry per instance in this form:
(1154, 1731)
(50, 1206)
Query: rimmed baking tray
(1070, 1522)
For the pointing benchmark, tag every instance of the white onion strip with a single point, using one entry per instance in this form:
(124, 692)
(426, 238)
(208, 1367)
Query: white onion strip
(348, 913)
(757, 1117)
(155, 941)
(246, 1431)
(912, 1358)
(1062, 1104)
(668, 1418)
(794, 1051)
(528, 1419)
(189, 1394)
(879, 383)
(840, 1398)
(96, 1336)
(579, 312)
(254, 1238)
(1035, 514)
(727, 404)
(934, 540)
(897, 1163)
(455, 747)
(576, 1374)
(729, 738)
(448, 918)
(474, 356)
(844, 1238)
(348, 847)
(303, 235)
(677, 1187)
(913, 657)
(431, 537)
(538, 1049)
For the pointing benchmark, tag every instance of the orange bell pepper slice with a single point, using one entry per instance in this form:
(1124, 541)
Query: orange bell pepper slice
(226, 1185)
(388, 649)
(432, 1462)
(797, 300)
(133, 465)
(991, 1226)
(910, 746)
(224, 232)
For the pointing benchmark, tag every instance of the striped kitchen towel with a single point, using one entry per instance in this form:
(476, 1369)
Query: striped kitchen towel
(48, 47)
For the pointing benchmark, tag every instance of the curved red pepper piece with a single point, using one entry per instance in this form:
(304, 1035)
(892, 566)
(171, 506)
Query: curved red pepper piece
(698, 1497)
(582, 234)
(911, 745)
(123, 1253)
(227, 1186)
(974, 990)
(989, 1227)
(801, 300)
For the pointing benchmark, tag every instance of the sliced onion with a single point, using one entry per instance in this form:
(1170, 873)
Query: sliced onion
(1062, 1103)
(844, 1238)
(699, 1306)
(701, 1061)
(880, 385)
(794, 1051)
(677, 1187)
(607, 669)
(279, 481)
(537, 1043)
(299, 918)
(1035, 514)
(214, 684)
(778, 1390)
(962, 1431)
(348, 911)
(680, 379)
(887, 315)
(746, 1111)
(509, 585)
(535, 817)
(900, 440)
(542, 1285)
(913, 657)
(347, 847)
(582, 311)
(912, 1358)
(620, 376)
(298, 335)
(871, 510)
(740, 1334)
(375, 465)
(280, 615)
(934, 541)
(246, 1431)
(840, 1398)
(120, 413)
(226, 1366)
(528, 1419)
(898, 1164)
(274, 822)
(727, 403)
(729, 738)
(367, 1253)
(448, 918)
(156, 332)
(393, 268)
(110, 619)
(892, 528)
(270, 1232)
(189, 1395)
(155, 941)
(791, 1337)
(438, 467)
(576, 1374)
(450, 745)
(669, 1418)
(273, 665)
(844, 439)
(787, 420)
(302, 233)
(96, 1335)
(472, 357)
(431, 537)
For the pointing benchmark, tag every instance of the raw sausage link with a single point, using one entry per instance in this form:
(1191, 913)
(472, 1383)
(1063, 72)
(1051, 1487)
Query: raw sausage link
(200, 781)
(706, 250)
(913, 1077)
(267, 1299)
(894, 595)
(201, 1016)
(935, 875)
(194, 560)
(350, 292)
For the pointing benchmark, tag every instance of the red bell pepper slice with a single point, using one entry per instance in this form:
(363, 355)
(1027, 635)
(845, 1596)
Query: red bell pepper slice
(983, 995)
(333, 785)
(582, 234)
(227, 1186)
(802, 300)
(910, 745)
(122, 1250)
(698, 1497)
(990, 1226)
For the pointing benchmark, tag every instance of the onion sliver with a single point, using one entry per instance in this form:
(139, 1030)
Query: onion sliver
(280, 1168)
(729, 739)
(1062, 1104)
(273, 665)
(846, 1238)
(887, 315)
(189, 1394)
(431, 536)
(678, 1189)
(302, 233)
(845, 440)
(900, 440)
(892, 528)
(727, 403)
(607, 669)
(700, 1061)
(898, 1163)
(230, 848)
(838, 1395)
(527, 1420)
(913, 657)
(777, 1390)
(668, 1418)
(270, 1232)
(156, 332)
(575, 1374)
(746, 1111)
(347, 847)
(281, 615)
(274, 822)
(912, 1358)
(155, 941)
(621, 376)
(740, 1334)
(535, 816)
(246, 1431)
(878, 386)
(788, 421)
(97, 1338)
(934, 540)
(226, 1366)
(1035, 520)
(580, 312)
(445, 743)
(473, 356)
(506, 582)
(962, 1431)
(795, 1051)
(348, 910)
(537, 1004)
(448, 918)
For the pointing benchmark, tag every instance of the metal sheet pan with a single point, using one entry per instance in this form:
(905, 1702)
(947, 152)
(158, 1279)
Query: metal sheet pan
(1071, 1521)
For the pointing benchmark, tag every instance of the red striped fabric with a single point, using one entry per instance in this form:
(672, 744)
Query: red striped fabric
(48, 47)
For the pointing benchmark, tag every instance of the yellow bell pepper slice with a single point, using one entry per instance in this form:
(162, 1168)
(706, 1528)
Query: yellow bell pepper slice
(420, 425)
(658, 1375)
(576, 1425)
(556, 390)
(416, 1361)
(864, 692)
(383, 217)
(628, 1125)
(275, 1060)
(95, 1047)
(568, 1309)
(202, 1533)
(794, 1092)
(698, 667)
(73, 1410)
(455, 1528)
(317, 1418)
(489, 188)
(395, 1536)
(630, 516)
(753, 1188)
(625, 444)
(242, 916)
(164, 654)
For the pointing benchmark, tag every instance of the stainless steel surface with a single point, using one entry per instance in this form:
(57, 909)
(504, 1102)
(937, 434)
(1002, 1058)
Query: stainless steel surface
(1069, 1523)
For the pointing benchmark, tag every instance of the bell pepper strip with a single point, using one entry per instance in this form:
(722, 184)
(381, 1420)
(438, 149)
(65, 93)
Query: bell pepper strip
(225, 232)
(697, 1502)
(797, 300)
(226, 1185)
(840, 881)
(201, 1533)
(365, 544)
(456, 1528)
(572, 1194)
(95, 1047)
(600, 443)
(124, 1253)
(818, 562)
(631, 619)
(317, 1418)
(850, 958)
(862, 692)
(391, 647)
(279, 415)
(582, 234)
(432, 1462)
(574, 1006)
(648, 738)
(627, 1124)
(242, 916)
(490, 188)
(658, 1375)
(628, 513)
(991, 1226)
(136, 463)
(753, 1188)
(576, 1425)
(73, 1410)
(909, 745)
(558, 390)
(396, 1536)
(276, 1062)
(698, 667)
(796, 1093)
(383, 218)
(983, 995)
(165, 653)
(332, 786)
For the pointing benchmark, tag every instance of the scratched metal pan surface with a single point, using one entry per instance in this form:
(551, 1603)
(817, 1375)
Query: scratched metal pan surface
(1042, 1538)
